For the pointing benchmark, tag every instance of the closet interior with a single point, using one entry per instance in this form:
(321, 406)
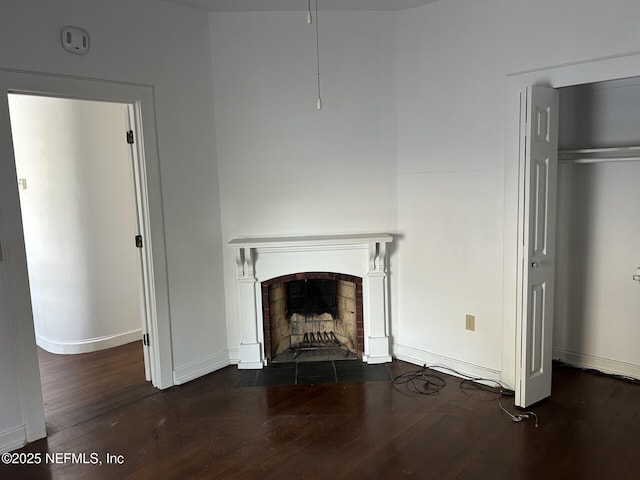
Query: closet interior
(597, 292)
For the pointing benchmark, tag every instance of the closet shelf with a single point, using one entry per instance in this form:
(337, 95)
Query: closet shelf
(595, 155)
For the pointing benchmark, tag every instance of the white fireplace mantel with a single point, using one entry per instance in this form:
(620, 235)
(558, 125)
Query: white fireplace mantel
(261, 259)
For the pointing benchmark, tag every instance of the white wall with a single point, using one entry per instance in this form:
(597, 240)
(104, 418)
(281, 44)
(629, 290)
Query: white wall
(602, 114)
(79, 221)
(453, 60)
(285, 167)
(597, 302)
(443, 119)
(167, 47)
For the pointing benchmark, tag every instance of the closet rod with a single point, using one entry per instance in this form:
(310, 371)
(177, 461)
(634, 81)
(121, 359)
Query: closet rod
(597, 155)
(598, 160)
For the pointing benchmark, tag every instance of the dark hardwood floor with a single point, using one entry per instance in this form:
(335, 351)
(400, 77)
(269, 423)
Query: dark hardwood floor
(78, 388)
(213, 428)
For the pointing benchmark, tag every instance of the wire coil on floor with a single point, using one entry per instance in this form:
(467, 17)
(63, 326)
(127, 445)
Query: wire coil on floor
(419, 382)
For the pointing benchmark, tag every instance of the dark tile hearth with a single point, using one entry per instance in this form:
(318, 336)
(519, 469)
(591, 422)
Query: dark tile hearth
(319, 355)
(308, 373)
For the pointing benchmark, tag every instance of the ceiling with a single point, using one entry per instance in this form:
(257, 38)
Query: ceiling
(266, 5)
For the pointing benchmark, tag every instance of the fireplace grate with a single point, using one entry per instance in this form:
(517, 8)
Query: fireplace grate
(319, 341)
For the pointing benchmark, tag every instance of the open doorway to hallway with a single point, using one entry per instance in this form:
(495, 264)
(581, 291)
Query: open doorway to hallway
(76, 178)
(22, 399)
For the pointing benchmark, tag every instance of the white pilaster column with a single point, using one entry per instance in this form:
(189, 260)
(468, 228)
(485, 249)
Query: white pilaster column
(250, 350)
(378, 340)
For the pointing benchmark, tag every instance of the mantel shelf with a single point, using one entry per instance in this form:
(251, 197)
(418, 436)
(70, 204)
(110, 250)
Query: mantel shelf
(311, 240)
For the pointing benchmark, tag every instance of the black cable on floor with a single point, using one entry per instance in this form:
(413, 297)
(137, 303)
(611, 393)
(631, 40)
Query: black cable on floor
(422, 383)
(419, 382)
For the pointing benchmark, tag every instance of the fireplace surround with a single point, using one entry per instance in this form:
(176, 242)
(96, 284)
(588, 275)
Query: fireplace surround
(261, 261)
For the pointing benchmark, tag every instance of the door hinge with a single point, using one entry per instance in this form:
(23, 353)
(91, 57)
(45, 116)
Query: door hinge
(1, 251)
(130, 137)
(145, 340)
(139, 241)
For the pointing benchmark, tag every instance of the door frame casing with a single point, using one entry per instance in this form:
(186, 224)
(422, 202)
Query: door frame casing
(142, 98)
(577, 73)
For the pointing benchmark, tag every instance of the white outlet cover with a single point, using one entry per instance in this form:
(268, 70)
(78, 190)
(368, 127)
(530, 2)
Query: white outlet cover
(75, 40)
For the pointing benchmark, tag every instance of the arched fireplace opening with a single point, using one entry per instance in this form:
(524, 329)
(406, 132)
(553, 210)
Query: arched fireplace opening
(313, 316)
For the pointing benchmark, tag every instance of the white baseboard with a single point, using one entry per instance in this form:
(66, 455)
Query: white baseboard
(12, 439)
(196, 369)
(422, 357)
(234, 356)
(605, 365)
(90, 344)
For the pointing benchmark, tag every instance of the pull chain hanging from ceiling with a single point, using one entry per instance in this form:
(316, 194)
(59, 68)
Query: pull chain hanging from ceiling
(310, 20)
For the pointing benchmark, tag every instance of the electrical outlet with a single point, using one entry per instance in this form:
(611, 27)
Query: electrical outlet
(470, 322)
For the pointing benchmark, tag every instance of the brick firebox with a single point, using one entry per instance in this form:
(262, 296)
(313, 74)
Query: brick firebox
(283, 330)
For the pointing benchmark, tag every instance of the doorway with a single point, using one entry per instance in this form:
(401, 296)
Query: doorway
(18, 345)
(514, 327)
(80, 216)
(598, 248)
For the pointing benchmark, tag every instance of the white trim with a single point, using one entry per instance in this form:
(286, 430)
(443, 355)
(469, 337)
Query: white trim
(602, 364)
(234, 356)
(422, 357)
(311, 248)
(196, 369)
(378, 351)
(89, 344)
(357, 240)
(13, 438)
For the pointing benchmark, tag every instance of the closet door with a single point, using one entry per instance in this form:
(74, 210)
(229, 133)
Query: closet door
(540, 148)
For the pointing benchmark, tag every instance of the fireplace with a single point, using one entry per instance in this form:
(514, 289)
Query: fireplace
(313, 316)
(265, 266)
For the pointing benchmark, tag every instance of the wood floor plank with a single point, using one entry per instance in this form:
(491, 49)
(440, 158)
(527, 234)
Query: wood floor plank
(211, 428)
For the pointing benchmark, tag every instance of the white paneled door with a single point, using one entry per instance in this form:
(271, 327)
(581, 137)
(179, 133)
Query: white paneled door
(539, 144)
